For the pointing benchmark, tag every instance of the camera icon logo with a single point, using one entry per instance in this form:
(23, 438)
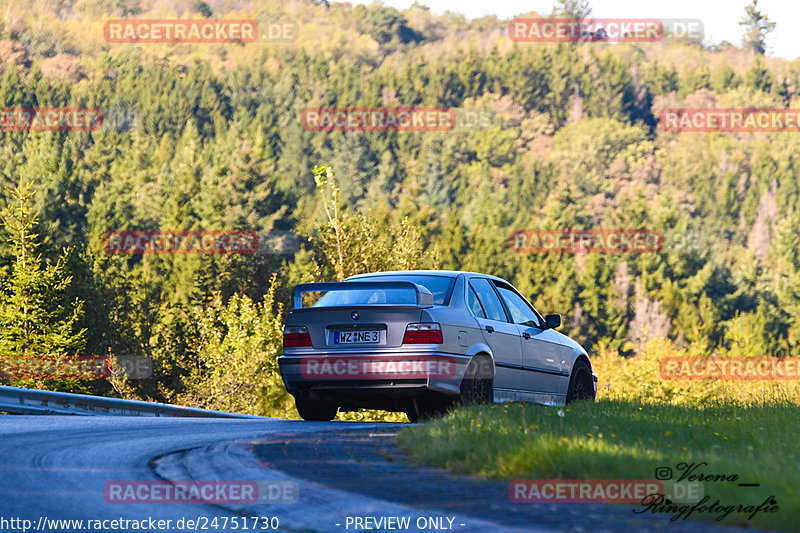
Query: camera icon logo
(663, 473)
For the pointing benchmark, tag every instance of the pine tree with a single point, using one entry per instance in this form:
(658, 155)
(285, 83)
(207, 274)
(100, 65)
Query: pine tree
(36, 318)
(573, 9)
(757, 27)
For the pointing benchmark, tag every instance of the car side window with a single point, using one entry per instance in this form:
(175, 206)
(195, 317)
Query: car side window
(521, 313)
(475, 304)
(488, 299)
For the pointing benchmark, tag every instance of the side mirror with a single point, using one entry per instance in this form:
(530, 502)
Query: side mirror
(552, 321)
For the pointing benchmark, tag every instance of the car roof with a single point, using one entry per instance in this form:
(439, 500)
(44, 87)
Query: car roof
(446, 273)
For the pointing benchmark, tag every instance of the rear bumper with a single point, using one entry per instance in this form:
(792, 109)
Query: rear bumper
(384, 375)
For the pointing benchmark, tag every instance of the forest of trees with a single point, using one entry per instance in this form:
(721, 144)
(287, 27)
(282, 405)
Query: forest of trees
(208, 137)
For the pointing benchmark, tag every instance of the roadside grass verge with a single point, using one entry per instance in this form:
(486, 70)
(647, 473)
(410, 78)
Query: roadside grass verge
(639, 423)
(615, 439)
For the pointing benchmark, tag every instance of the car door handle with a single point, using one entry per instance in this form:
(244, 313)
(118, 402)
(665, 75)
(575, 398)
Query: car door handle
(526, 335)
(490, 329)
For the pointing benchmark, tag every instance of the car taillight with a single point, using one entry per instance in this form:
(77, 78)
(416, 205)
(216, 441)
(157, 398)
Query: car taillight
(423, 333)
(294, 336)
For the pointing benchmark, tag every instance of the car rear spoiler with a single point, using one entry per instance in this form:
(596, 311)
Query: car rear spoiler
(424, 296)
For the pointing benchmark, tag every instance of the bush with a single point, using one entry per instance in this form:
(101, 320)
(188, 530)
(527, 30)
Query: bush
(234, 358)
(638, 379)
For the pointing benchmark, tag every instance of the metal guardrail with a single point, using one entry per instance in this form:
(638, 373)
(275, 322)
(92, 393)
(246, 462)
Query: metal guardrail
(16, 400)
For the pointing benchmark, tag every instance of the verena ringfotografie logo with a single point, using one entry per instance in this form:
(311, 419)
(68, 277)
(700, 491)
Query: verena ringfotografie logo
(731, 368)
(378, 119)
(50, 119)
(401, 367)
(693, 477)
(572, 30)
(75, 367)
(195, 491)
(585, 241)
(181, 242)
(730, 120)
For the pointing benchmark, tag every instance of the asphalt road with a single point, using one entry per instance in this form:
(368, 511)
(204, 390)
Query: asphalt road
(340, 477)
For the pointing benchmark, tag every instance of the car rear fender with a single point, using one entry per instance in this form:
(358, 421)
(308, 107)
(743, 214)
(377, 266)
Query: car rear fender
(484, 350)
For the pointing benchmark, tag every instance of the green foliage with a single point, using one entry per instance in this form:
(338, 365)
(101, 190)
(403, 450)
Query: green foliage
(587, 152)
(233, 357)
(759, 78)
(37, 319)
(385, 24)
(724, 79)
(209, 138)
(349, 244)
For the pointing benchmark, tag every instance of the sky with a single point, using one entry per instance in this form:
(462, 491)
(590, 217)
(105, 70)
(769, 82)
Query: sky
(720, 17)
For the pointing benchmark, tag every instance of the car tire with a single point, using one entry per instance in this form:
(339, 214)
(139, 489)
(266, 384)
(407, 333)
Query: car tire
(416, 411)
(413, 415)
(421, 410)
(581, 383)
(315, 410)
(477, 387)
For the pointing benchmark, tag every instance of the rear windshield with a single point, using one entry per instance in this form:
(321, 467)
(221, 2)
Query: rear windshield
(368, 297)
(440, 287)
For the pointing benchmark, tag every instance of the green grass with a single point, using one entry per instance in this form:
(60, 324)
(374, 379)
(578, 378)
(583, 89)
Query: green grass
(628, 439)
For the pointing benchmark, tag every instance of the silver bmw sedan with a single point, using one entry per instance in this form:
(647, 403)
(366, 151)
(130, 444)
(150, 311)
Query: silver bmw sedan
(421, 341)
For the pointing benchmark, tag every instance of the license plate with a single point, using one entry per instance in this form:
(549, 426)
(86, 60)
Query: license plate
(357, 337)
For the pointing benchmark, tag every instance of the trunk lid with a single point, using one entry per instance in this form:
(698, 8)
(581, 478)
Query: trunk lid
(354, 315)
(333, 328)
